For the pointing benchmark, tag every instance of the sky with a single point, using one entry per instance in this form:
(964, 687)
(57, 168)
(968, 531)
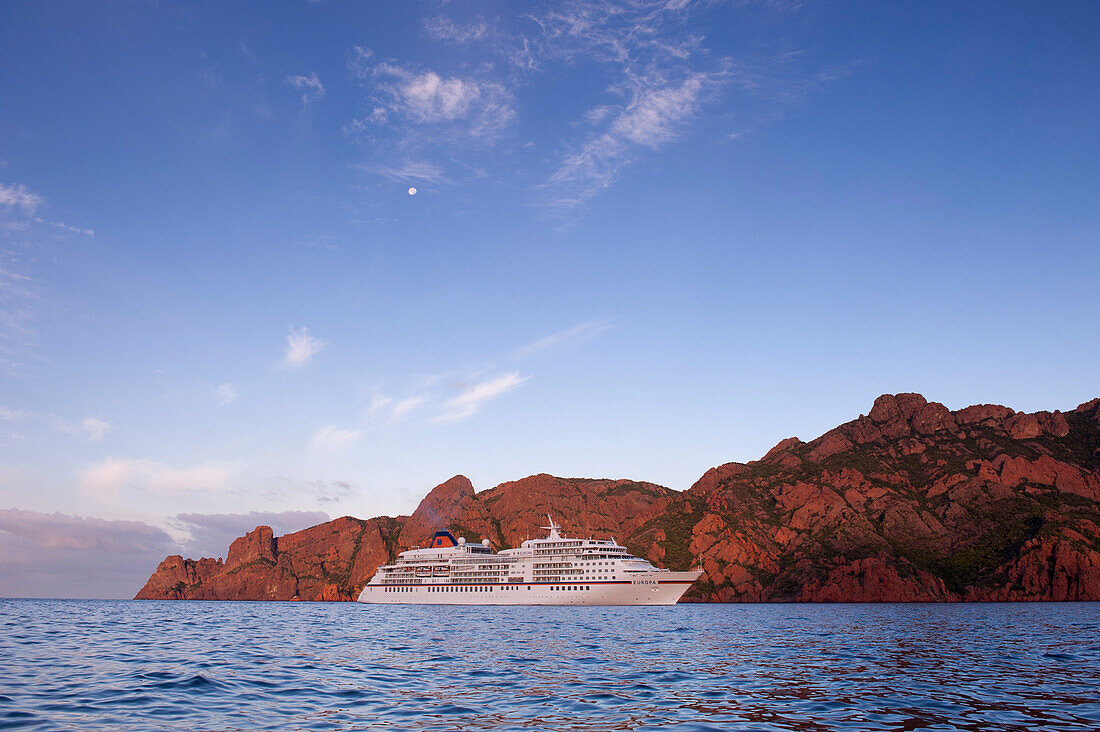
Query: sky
(646, 238)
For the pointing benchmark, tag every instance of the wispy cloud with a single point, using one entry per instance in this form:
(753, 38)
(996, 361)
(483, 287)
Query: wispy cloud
(424, 124)
(226, 393)
(415, 171)
(659, 78)
(359, 61)
(653, 114)
(301, 347)
(109, 476)
(281, 489)
(405, 95)
(440, 28)
(408, 405)
(433, 399)
(427, 97)
(331, 438)
(20, 300)
(63, 226)
(653, 117)
(15, 415)
(440, 398)
(25, 237)
(328, 491)
(579, 333)
(378, 404)
(311, 87)
(90, 429)
(16, 196)
(474, 396)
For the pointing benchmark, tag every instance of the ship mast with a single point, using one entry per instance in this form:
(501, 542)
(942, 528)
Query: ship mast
(552, 528)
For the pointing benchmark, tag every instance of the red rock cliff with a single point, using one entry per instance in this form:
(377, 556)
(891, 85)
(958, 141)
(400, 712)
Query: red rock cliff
(912, 502)
(326, 562)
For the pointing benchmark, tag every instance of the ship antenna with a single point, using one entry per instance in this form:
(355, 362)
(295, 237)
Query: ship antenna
(552, 528)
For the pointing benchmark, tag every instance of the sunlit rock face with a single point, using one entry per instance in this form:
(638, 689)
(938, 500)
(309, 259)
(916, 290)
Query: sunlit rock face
(912, 502)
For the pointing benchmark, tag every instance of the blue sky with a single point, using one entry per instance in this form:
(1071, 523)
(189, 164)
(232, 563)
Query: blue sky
(647, 238)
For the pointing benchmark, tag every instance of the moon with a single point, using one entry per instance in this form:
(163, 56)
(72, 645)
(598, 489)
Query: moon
(412, 191)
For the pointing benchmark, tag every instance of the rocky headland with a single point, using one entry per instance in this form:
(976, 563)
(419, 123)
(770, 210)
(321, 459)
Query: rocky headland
(911, 502)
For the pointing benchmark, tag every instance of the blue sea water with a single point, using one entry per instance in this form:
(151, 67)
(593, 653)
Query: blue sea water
(69, 664)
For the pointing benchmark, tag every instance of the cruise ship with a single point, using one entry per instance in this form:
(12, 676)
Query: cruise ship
(556, 570)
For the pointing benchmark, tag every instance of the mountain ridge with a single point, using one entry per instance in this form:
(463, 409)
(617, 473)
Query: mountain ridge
(911, 502)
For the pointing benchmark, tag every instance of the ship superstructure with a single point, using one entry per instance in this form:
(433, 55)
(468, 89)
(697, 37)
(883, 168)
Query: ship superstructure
(555, 570)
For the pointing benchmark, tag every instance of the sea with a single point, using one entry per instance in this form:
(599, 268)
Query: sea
(123, 665)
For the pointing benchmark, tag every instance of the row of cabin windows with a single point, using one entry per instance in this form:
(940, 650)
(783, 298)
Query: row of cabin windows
(453, 588)
(472, 588)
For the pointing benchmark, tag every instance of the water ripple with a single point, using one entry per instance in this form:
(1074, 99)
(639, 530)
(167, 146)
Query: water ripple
(283, 666)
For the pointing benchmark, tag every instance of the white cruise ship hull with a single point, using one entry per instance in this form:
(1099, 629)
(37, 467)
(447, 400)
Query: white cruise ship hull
(655, 588)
